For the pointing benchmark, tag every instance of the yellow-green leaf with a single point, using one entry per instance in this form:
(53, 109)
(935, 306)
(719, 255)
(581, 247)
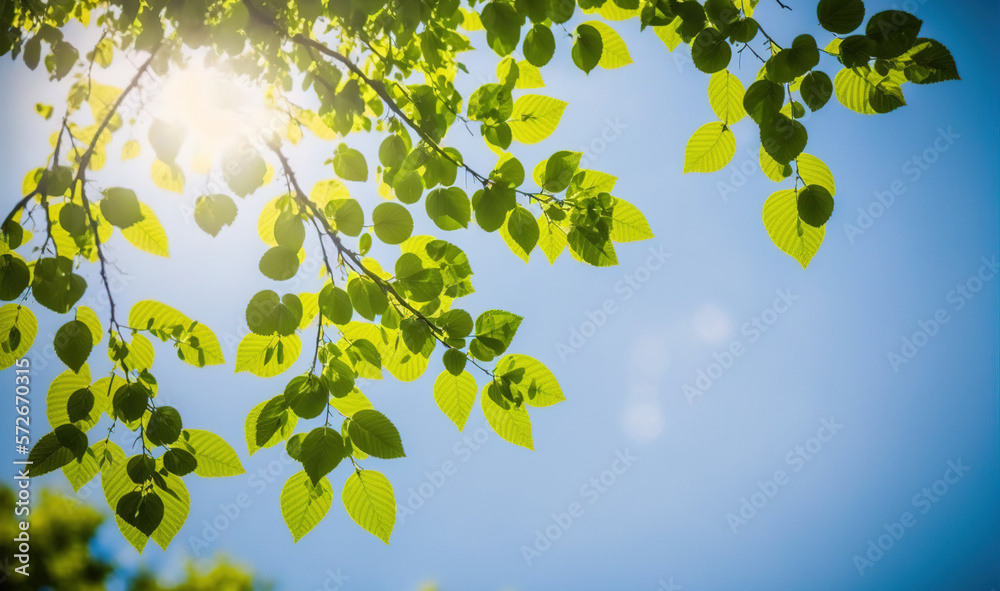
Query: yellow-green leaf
(510, 421)
(787, 231)
(303, 504)
(371, 503)
(615, 53)
(535, 117)
(169, 177)
(710, 148)
(725, 94)
(815, 172)
(147, 234)
(455, 395)
(267, 356)
(628, 223)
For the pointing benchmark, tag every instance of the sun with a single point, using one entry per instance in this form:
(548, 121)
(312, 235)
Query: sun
(215, 107)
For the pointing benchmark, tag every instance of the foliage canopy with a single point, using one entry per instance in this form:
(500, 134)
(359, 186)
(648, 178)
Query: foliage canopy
(388, 69)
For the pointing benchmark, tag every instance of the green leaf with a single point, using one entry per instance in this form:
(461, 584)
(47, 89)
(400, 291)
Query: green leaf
(614, 52)
(14, 277)
(531, 379)
(212, 212)
(710, 51)
(304, 504)
(455, 395)
(886, 97)
(279, 263)
(725, 94)
(491, 205)
(763, 99)
(783, 138)
(73, 344)
(49, 454)
(289, 231)
(335, 304)
(215, 457)
(143, 511)
(587, 47)
(853, 89)
(199, 348)
(130, 401)
(520, 232)
(628, 223)
(418, 283)
(374, 434)
(814, 172)
(180, 462)
(508, 420)
(367, 297)
(148, 235)
(176, 505)
(55, 286)
(269, 423)
(166, 139)
(82, 471)
(794, 61)
(392, 151)
(534, 117)
(265, 356)
(840, 16)
(63, 388)
(781, 220)
(893, 32)
(392, 223)
(164, 426)
(495, 329)
(815, 205)
(539, 45)
(354, 402)
(930, 62)
(710, 148)
(243, 169)
(267, 315)
(80, 404)
(449, 208)
(555, 174)
(307, 396)
(321, 451)
(591, 247)
(120, 207)
(503, 26)
(816, 90)
(348, 217)
(350, 164)
(168, 176)
(551, 238)
(369, 500)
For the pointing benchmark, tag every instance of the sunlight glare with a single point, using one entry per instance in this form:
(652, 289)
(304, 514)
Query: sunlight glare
(217, 108)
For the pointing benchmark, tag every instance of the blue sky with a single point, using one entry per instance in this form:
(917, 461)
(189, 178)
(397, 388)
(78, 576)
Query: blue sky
(822, 361)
